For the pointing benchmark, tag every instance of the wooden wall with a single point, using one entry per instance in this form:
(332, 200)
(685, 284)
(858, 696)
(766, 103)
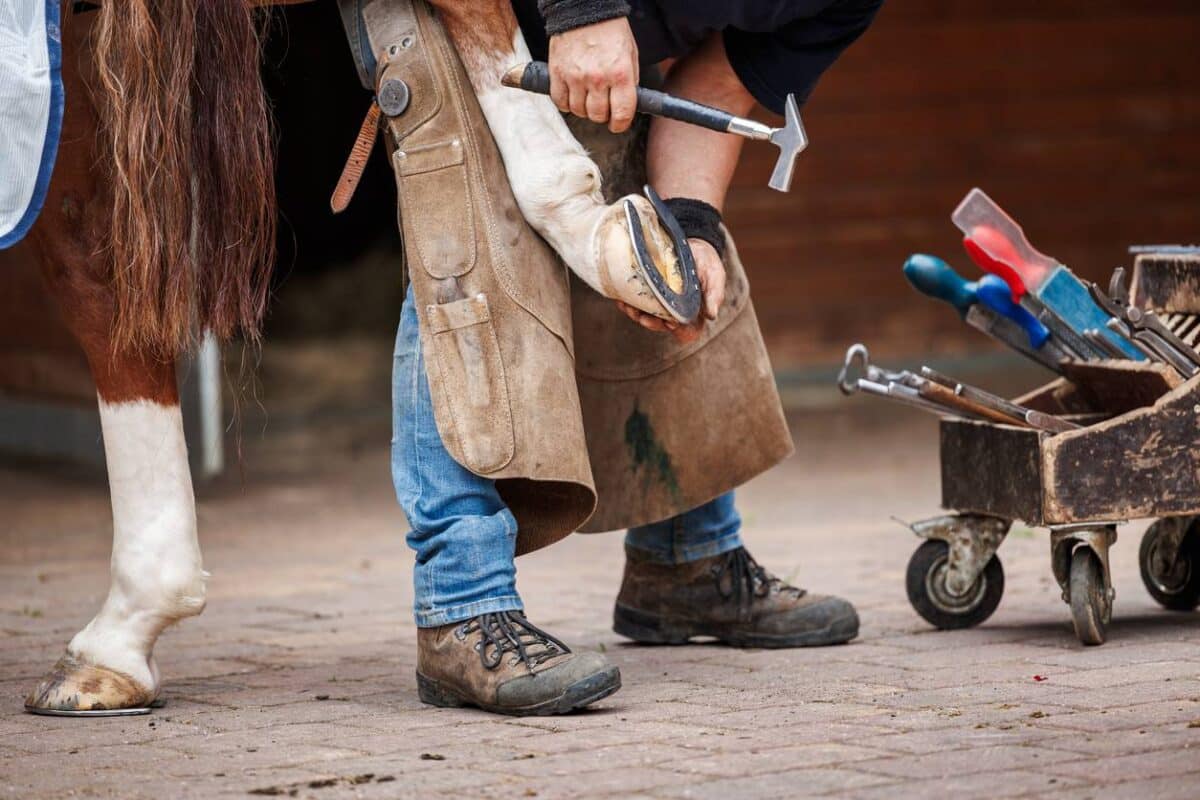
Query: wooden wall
(1081, 117)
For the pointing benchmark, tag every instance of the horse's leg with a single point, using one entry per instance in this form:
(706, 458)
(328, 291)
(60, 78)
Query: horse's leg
(554, 181)
(156, 574)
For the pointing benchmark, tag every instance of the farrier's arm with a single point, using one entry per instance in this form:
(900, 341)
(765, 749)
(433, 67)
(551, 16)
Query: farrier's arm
(594, 74)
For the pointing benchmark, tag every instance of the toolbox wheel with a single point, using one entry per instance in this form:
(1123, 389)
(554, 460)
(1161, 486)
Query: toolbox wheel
(1091, 609)
(1179, 589)
(926, 584)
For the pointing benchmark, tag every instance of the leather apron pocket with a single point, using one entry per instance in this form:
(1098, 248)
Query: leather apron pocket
(435, 202)
(467, 354)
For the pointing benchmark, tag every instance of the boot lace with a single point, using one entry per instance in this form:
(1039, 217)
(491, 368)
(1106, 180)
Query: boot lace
(742, 580)
(509, 632)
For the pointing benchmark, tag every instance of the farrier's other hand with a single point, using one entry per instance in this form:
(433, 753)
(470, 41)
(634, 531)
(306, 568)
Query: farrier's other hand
(594, 72)
(710, 269)
(711, 272)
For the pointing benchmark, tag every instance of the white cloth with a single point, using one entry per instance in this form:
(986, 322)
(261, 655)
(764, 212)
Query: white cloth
(31, 106)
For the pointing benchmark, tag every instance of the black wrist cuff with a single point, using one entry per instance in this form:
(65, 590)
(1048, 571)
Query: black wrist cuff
(699, 220)
(566, 15)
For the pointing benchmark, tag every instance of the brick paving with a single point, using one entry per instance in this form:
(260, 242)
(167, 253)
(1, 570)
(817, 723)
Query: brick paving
(298, 679)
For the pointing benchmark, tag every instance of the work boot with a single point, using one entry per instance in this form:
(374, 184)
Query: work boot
(729, 597)
(501, 663)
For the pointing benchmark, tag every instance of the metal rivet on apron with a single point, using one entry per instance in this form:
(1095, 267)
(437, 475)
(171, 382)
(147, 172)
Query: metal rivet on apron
(393, 97)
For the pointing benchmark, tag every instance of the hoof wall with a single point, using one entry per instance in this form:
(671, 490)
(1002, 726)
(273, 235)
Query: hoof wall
(75, 689)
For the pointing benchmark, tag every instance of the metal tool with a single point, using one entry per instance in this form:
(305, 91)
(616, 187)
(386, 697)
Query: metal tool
(858, 357)
(1165, 249)
(997, 244)
(935, 278)
(1038, 321)
(1144, 328)
(1143, 320)
(1102, 342)
(903, 394)
(791, 139)
(931, 391)
(1061, 329)
(1036, 419)
(1117, 326)
(987, 321)
(952, 398)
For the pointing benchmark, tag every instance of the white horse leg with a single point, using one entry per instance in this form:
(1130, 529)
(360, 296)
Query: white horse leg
(556, 184)
(156, 573)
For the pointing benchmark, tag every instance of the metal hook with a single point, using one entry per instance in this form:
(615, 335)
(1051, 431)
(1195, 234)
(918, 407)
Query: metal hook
(1116, 287)
(856, 356)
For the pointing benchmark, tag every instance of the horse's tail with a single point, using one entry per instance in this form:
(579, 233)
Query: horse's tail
(186, 131)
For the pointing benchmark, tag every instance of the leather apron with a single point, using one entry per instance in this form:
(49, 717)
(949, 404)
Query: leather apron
(584, 420)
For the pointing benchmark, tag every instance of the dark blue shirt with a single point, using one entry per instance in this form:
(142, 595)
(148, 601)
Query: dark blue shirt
(776, 47)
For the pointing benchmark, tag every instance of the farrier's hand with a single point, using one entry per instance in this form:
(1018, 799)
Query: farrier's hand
(594, 72)
(711, 272)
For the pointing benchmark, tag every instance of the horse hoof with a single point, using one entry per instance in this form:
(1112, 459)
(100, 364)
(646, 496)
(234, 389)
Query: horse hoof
(641, 265)
(73, 688)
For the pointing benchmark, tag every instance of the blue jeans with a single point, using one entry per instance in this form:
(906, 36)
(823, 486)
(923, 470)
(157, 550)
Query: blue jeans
(464, 535)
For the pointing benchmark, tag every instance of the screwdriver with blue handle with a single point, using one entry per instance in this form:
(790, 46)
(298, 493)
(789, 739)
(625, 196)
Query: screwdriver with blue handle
(934, 277)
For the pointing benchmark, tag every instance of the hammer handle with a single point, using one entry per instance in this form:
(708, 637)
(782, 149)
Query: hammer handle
(535, 77)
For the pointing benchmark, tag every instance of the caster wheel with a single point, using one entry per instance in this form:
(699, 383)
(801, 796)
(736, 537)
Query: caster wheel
(926, 584)
(1090, 606)
(1179, 588)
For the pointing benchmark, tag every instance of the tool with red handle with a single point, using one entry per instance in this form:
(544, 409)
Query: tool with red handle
(997, 244)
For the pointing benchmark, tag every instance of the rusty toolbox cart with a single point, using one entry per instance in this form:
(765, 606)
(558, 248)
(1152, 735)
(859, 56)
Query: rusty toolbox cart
(1136, 456)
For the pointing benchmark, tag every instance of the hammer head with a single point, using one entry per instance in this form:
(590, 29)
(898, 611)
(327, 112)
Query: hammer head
(791, 141)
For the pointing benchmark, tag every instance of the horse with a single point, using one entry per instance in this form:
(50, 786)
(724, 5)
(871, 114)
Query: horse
(159, 225)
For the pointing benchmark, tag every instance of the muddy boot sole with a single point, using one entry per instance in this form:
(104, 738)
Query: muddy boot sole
(656, 629)
(576, 696)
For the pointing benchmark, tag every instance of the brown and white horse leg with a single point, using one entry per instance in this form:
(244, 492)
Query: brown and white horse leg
(156, 573)
(556, 184)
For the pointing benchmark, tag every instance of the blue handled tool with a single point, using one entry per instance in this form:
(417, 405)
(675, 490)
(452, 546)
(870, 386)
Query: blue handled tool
(932, 276)
(994, 293)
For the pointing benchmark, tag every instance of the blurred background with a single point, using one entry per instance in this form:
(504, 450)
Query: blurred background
(1080, 117)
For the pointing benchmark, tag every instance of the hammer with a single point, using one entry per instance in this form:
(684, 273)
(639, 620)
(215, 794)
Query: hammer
(790, 139)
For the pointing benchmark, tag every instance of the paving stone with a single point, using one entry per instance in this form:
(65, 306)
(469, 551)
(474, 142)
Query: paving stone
(1001, 783)
(792, 783)
(952, 763)
(313, 600)
(1177, 787)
